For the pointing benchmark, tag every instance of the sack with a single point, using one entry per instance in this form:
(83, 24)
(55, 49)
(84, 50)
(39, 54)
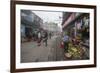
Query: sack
(62, 45)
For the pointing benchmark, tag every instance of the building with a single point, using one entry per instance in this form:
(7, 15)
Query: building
(77, 27)
(50, 27)
(29, 23)
(72, 22)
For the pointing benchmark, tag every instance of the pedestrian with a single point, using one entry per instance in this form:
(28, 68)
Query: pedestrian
(65, 41)
(46, 38)
(39, 38)
(35, 35)
(50, 35)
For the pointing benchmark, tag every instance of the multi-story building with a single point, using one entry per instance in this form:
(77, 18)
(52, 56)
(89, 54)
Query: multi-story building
(29, 23)
(50, 26)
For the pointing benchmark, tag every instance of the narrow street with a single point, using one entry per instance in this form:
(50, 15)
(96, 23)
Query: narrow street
(66, 33)
(30, 52)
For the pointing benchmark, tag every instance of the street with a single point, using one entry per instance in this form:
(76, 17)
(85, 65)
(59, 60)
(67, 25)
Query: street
(30, 52)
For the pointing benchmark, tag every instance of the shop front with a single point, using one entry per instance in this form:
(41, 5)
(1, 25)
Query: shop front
(78, 32)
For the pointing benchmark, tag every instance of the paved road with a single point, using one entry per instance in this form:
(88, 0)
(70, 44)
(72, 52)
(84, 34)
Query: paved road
(30, 52)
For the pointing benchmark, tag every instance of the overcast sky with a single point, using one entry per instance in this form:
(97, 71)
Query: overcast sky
(50, 16)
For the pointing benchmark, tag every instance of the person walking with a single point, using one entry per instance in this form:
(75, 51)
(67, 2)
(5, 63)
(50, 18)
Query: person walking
(50, 35)
(39, 38)
(65, 41)
(46, 38)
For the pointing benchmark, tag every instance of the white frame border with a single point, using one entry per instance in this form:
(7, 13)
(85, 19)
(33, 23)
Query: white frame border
(58, 63)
